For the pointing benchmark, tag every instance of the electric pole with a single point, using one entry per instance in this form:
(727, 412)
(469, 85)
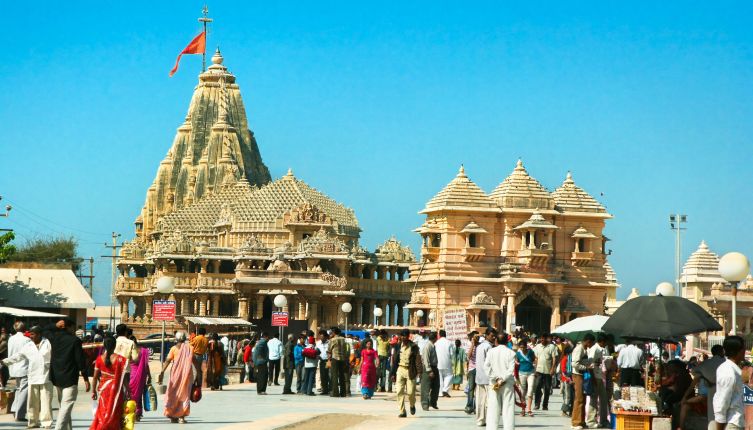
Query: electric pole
(675, 223)
(114, 258)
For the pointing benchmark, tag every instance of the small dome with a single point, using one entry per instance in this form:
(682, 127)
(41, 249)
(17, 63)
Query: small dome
(217, 58)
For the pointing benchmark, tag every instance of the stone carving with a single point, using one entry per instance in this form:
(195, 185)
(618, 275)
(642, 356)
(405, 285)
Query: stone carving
(309, 213)
(570, 303)
(335, 281)
(419, 297)
(393, 250)
(483, 299)
(133, 250)
(536, 292)
(279, 265)
(177, 242)
(253, 244)
(322, 242)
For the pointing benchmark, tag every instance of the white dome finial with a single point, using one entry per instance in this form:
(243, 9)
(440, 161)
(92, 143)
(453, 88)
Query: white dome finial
(217, 58)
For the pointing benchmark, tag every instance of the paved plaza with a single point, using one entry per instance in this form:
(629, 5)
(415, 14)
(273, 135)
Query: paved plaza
(238, 406)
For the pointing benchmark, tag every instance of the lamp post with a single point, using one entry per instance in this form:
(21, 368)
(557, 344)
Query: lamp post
(377, 313)
(432, 318)
(346, 308)
(165, 285)
(280, 301)
(734, 267)
(675, 223)
(419, 314)
(665, 289)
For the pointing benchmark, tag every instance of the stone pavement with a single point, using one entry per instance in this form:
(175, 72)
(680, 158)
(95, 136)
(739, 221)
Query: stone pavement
(238, 406)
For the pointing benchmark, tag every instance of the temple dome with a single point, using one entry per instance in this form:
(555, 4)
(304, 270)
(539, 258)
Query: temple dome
(572, 198)
(520, 190)
(702, 266)
(463, 194)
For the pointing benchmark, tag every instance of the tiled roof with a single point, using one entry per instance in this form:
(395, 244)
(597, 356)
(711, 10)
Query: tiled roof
(461, 192)
(520, 190)
(570, 197)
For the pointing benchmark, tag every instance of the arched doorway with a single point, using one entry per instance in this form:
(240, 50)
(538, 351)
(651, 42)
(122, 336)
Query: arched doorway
(533, 315)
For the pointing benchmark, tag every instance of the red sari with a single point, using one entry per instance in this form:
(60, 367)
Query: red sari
(111, 393)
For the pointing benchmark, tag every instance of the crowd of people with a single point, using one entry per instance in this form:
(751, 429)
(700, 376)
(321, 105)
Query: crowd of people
(498, 372)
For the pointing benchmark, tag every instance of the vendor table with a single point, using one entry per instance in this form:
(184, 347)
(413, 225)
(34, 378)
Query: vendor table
(633, 420)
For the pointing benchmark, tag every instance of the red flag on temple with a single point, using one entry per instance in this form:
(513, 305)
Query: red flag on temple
(197, 46)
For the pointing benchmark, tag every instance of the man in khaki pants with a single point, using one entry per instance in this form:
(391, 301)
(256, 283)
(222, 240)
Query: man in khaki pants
(482, 379)
(37, 355)
(405, 369)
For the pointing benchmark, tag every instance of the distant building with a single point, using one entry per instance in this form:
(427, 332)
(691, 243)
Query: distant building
(233, 239)
(703, 284)
(44, 289)
(519, 256)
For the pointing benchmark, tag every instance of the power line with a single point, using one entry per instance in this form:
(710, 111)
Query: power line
(47, 220)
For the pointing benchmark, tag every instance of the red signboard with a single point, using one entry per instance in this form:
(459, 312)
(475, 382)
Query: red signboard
(163, 310)
(279, 319)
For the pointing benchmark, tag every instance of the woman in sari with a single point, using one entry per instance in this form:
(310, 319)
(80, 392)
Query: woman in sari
(182, 377)
(140, 377)
(108, 388)
(215, 362)
(369, 365)
(458, 365)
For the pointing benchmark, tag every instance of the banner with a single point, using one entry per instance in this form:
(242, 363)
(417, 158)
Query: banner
(456, 325)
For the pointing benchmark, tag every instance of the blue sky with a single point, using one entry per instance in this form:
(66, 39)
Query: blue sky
(378, 104)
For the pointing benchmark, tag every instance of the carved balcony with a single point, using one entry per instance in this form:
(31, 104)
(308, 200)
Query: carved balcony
(473, 254)
(582, 258)
(534, 257)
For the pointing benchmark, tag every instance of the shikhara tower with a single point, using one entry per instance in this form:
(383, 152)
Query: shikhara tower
(213, 146)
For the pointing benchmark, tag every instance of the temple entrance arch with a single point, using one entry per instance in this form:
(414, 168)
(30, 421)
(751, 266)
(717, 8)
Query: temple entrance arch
(533, 310)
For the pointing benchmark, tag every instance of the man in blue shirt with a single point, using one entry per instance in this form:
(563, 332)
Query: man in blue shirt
(298, 357)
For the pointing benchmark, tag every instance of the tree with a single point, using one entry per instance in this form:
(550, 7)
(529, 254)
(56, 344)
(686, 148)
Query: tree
(48, 250)
(7, 249)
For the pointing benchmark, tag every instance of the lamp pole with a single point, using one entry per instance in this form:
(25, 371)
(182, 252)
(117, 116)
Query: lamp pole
(165, 285)
(734, 267)
(280, 301)
(675, 223)
(346, 308)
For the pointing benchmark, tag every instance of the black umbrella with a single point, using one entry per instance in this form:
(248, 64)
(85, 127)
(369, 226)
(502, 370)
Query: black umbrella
(659, 317)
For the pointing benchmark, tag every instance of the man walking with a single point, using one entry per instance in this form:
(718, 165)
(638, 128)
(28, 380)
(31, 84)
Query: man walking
(19, 371)
(199, 344)
(338, 358)
(707, 371)
(322, 345)
(275, 354)
(260, 357)
(728, 401)
(546, 365)
(482, 379)
(288, 363)
(430, 375)
(406, 368)
(37, 356)
(382, 346)
(445, 348)
(598, 404)
(580, 364)
(629, 361)
(66, 364)
(499, 366)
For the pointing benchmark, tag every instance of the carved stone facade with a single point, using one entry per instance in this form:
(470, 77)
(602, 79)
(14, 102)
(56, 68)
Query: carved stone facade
(519, 256)
(233, 240)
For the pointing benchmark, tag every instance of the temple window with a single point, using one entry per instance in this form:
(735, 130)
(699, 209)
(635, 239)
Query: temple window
(436, 240)
(227, 266)
(472, 240)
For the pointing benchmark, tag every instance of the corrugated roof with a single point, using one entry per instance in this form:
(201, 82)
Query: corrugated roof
(463, 193)
(570, 197)
(16, 312)
(43, 288)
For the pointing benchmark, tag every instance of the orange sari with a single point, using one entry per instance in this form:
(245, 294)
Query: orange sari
(178, 394)
(111, 393)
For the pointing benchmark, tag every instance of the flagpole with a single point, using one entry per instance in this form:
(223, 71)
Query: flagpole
(204, 20)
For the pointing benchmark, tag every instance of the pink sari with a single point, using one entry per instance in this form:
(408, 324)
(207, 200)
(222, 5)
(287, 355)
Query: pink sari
(178, 394)
(368, 368)
(139, 372)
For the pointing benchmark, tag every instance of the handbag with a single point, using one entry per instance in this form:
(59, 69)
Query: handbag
(196, 393)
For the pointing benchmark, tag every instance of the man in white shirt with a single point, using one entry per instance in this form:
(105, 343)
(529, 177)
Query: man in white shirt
(423, 339)
(707, 371)
(445, 349)
(546, 365)
(598, 404)
(629, 361)
(322, 345)
(499, 366)
(482, 379)
(728, 400)
(37, 356)
(19, 371)
(275, 353)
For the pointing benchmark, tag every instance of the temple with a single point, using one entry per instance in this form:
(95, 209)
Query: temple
(521, 256)
(233, 240)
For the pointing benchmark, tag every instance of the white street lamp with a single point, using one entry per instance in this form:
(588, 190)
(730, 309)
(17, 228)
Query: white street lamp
(346, 308)
(665, 289)
(378, 313)
(165, 285)
(280, 301)
(734, 267)
(419, 314)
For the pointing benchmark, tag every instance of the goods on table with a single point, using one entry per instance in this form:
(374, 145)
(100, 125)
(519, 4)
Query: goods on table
(636, 399)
